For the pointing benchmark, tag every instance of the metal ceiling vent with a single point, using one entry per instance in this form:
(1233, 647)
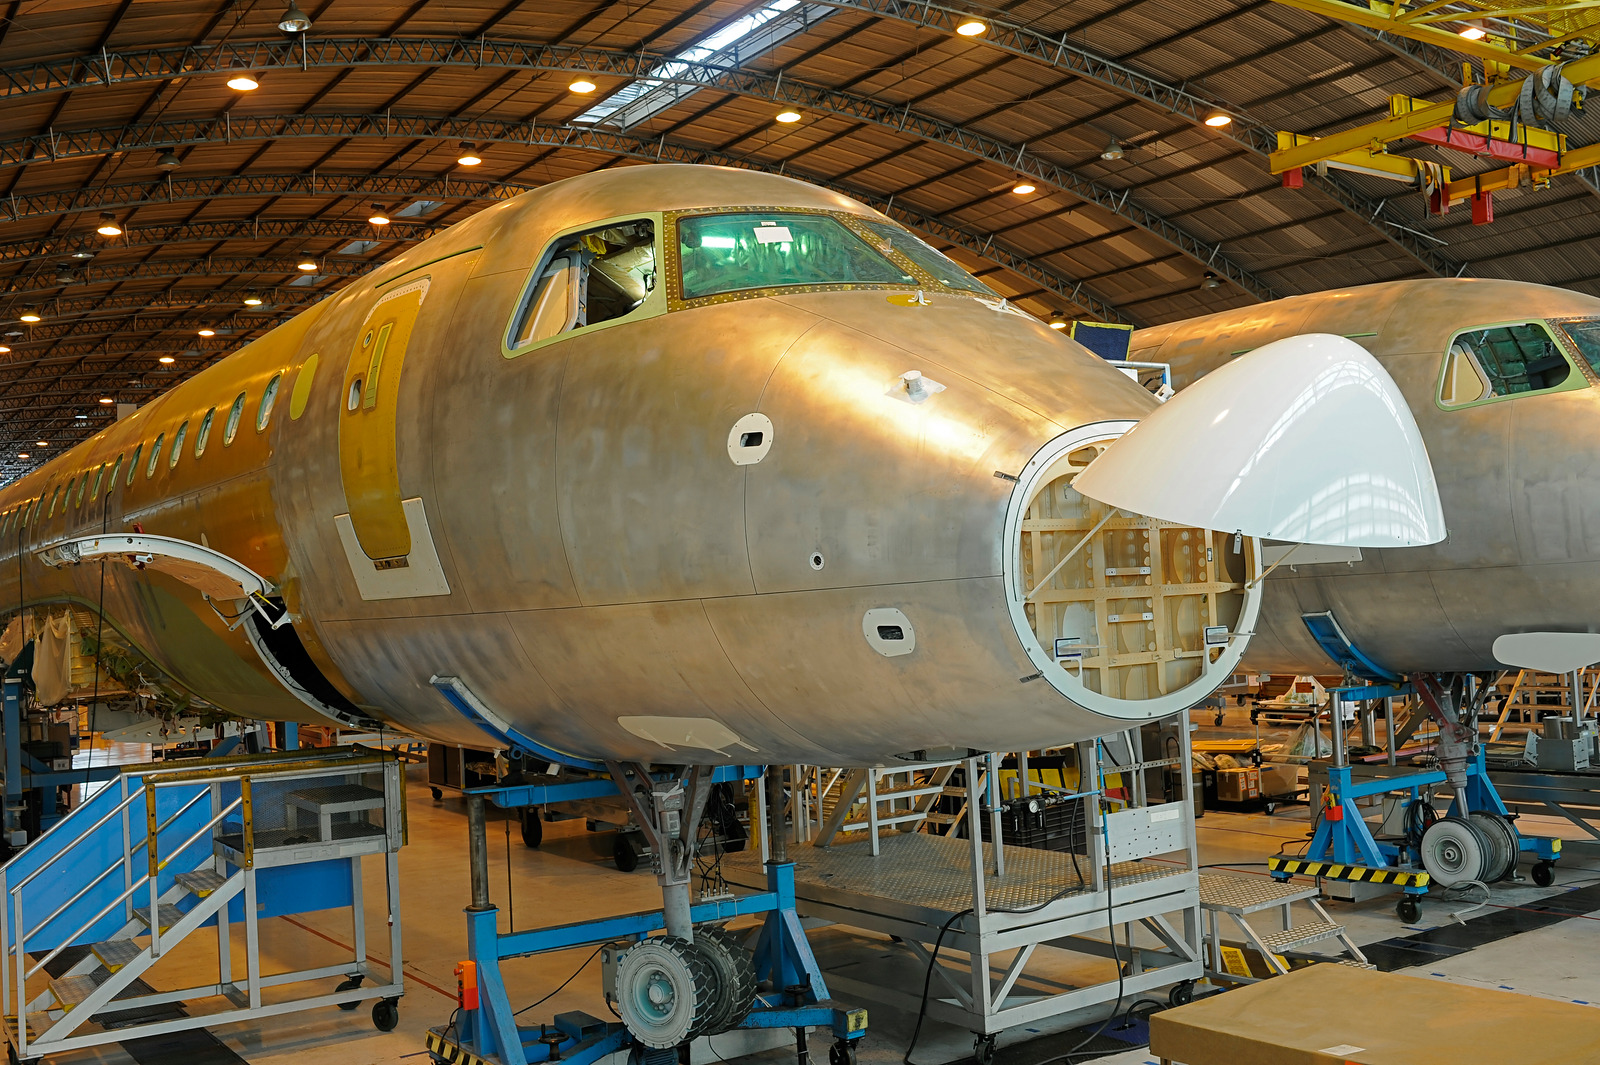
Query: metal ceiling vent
(889, 631)
(750, 439)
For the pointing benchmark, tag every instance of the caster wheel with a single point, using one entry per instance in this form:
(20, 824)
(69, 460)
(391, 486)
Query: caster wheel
(349, 985)
(1270, 808)
(1181, 994)
(982, 1050)
(438, 796)
(624, 855)
(1409, 910)
(385, 1014)
(1544, 874)
(843, 1052)
(532, 826)
(1217, 720)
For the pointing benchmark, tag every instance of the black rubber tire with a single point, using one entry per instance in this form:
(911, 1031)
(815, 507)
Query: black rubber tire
(1544, 874)
(735, 972)
(1181, 994)
(663, 1023)
(532, 826)
(842, 1052)
(385, 1014)
(438, 796)
(1455, 850)
(623, 854)
(1504, 838)
(350, 985)
(1408, 909)
(983, 1050)
(1270, 808)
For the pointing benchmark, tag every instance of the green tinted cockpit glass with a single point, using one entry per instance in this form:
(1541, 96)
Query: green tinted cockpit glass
(1585, 334)
(1503, 360)
(735, 252)
(939, 266)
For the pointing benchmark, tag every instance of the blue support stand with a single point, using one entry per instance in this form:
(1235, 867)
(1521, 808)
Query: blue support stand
(1343, 846)
(490, 1034)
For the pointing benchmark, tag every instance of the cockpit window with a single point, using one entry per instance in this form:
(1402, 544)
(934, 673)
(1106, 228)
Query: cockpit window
(939, 266)
(745, 251)
(1585, 336)
(1504, 360)
(583, 279)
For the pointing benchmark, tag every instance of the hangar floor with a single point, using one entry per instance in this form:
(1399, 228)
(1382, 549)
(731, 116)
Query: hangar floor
(1530, 940)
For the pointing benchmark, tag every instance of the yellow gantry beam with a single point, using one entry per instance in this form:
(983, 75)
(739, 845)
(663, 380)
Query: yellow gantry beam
(1374, 135)
(1385, 17)
(1515, 176)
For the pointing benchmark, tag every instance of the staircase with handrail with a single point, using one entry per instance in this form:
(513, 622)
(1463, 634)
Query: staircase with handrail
(164, 851)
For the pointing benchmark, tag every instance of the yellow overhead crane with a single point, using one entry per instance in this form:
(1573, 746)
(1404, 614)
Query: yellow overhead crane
(1497, 116)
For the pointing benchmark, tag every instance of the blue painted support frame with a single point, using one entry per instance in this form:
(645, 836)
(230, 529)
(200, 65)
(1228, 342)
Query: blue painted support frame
(1349, 840)
(783, 956)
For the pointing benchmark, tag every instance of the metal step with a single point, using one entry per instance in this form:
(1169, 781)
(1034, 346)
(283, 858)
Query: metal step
(1357, 964)
(909, 791)
(71, 990)
(1300, 935)
(170, 915)
(115, 953)
(883, 822)
(202, 882)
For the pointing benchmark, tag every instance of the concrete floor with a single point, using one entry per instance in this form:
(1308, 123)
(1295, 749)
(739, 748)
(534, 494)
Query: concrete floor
(571, 878)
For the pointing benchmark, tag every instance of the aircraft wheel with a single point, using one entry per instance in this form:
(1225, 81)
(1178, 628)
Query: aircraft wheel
(532, 826)
(735, 970)
(666, 991)
(1454, 850)
(623, 854)
(1544, 874)
(1503, 840)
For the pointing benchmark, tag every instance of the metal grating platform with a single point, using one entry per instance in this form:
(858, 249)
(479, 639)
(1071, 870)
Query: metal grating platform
(933, 873)
(201, 882)
(1248, 894)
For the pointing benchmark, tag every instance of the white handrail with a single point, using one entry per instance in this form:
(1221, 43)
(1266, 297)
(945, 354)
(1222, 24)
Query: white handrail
(48, 862)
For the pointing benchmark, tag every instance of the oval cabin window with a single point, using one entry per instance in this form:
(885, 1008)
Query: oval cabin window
(204, 433)
(235, 412)
(267, 399)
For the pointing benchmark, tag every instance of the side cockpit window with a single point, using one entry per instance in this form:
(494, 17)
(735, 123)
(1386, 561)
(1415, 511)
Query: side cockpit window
(1502, 361)
(1585, 336)
(584, 279)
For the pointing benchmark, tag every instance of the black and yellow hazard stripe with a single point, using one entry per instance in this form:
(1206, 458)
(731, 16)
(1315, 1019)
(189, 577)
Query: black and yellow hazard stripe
(1360, 874)
(447, 1050)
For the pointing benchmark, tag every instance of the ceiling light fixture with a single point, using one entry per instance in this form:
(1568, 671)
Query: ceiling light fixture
(30, 315)
(168, 161)
(243, 80)
(469, 155)
(1112, 152)
(108, 225)
(379, 216)
(83, 253)
(4, 350)
(166, 360)
(252, 300)
(307, 263)
(1058, 321)
(294, 20)
(581, 86)
(972, 28)
(1473, 31)
(788, 115)
(1210, 281)
(106, 401)
(1216, 119)
(1022, 188)
(22, 454)
(42, 443)
(207, 332)
(81, 417)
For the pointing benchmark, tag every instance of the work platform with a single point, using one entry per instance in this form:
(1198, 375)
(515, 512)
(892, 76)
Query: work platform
(977, 915)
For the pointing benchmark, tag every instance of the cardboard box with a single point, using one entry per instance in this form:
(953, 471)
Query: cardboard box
(1336, 1014)
(1279, 779)
(1238, 785)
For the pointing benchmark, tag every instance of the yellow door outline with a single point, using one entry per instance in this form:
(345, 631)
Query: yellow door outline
(368, 465)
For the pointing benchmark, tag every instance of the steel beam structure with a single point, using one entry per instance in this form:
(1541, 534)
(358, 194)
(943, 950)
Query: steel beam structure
(279, 229)
(211, 266)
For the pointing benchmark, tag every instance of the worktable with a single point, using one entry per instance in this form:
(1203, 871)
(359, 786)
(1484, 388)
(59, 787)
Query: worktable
(1334, 1014)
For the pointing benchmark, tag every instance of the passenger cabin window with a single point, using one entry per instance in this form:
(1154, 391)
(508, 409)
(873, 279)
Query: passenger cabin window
(720, 253)
(204, 432)
(155, 456)
(235, 412)
(267, 399)
(111, 482)
(1501, 361)
(99, 476)
(133, 464)
(56, 496)
(584, 279)
(83, 486)
(177, 445)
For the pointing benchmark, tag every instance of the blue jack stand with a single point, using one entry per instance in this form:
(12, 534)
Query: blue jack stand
(1343, 846)
(485, 1030)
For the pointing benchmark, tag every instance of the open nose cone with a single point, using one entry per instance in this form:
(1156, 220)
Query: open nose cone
(1305, 439)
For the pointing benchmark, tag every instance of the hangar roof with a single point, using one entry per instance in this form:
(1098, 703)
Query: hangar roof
(120, 112)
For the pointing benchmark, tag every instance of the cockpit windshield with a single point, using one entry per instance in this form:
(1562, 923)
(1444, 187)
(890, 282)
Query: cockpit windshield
(939, 266)
(1585, 336)
(721, 253)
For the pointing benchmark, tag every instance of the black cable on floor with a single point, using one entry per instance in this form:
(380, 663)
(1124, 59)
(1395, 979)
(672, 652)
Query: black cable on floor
(927, 982)
(564, 983)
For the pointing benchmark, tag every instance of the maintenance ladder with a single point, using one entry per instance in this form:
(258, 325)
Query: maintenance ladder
(166, 850)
